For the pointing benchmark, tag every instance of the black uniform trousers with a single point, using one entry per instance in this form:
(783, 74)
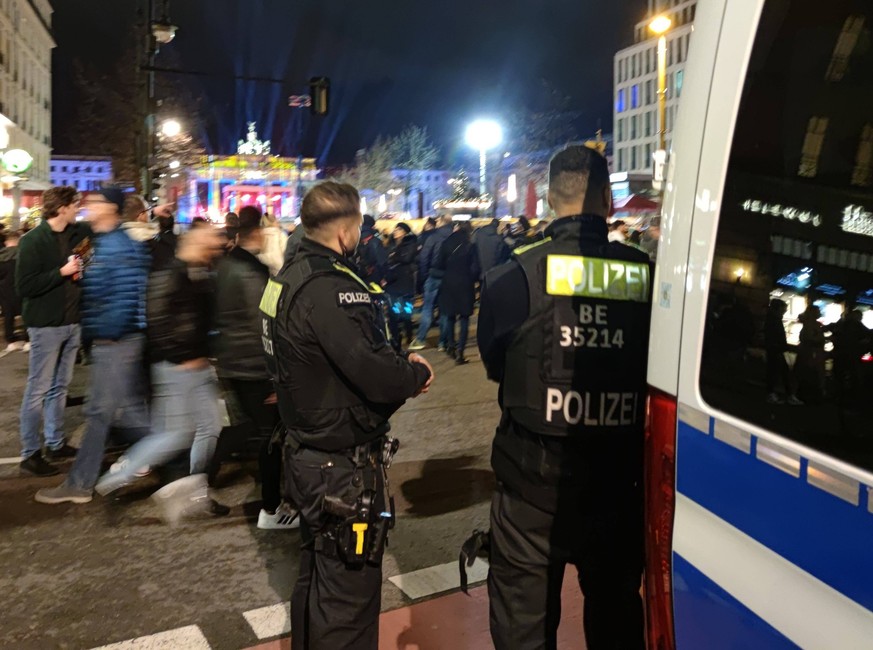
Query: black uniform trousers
(251, 395)
(333, 605)
(530, 548)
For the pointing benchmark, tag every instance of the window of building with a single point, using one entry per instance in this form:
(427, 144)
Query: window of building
(620, 102)
(633, 164)
(620, 126)
(634, 66)
(801, 243)
(650, 87)
(863, 174)
(680, 79)
(812, 146)
(648, 130)
(648, 61)
(635, 96)
(634, 127)
(621, 160)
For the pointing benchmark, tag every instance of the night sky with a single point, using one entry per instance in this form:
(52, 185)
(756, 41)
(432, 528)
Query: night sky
(436, 64)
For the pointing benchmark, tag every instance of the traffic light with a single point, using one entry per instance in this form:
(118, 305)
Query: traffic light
(319, 90)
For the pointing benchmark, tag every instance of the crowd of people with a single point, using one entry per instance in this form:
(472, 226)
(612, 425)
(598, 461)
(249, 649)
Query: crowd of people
(171, 323)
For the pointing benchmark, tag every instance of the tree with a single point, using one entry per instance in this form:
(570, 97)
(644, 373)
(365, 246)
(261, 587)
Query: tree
(462, 189)
(111, 114)
(410, 151)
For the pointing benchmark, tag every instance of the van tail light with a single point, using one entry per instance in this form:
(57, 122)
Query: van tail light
(660, 473)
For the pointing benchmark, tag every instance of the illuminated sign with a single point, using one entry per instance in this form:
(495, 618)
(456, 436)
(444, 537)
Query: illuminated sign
(857, 220)
(17, 161)
(786, 212)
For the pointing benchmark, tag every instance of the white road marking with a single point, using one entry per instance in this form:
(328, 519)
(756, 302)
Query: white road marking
(271, 621)
(437, 579)
(183, 638)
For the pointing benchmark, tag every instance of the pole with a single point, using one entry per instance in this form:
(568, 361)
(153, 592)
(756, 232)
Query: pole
(662, 91)
(483, 179)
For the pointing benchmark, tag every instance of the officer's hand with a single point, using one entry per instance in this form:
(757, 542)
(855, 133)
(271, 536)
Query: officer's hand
(417, 358)
(271, 399)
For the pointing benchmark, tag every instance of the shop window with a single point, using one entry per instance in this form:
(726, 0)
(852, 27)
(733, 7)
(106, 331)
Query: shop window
(788, 341)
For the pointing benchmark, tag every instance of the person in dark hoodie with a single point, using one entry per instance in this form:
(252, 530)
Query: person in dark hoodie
(113, 318)
(490, 246)
(459, 262)
(400, 285)
(10, 303)
(240, 282)
(371, 257)
(433, 278)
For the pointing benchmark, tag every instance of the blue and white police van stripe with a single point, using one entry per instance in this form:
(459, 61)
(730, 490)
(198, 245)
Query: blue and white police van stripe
(771, 549)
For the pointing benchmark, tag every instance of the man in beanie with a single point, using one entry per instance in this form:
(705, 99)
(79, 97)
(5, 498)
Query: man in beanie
(47, 275)
(113, 318)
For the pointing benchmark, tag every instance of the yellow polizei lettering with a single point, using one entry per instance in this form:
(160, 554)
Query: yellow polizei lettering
(270, 299)
(593, 277)
(359, 529)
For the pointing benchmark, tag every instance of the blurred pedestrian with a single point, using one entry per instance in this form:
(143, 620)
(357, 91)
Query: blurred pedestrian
(433, 279)
(46, 278)
(240, 284)
(371, 258)
(400, 285)
(10, 303)
(275, 241)
(185, 394)
(459, 262)
(490, 247)
(113, 317)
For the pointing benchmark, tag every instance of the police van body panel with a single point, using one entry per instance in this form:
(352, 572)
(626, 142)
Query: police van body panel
(760, 435)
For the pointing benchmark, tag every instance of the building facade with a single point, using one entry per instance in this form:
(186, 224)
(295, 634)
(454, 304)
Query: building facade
(635, 74)
(85, 173)
(422, 188)
(25, 83)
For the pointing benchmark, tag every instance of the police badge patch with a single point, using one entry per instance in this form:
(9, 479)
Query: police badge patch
(352, 298)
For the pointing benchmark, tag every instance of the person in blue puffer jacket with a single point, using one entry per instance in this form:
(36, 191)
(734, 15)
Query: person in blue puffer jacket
(114, 317)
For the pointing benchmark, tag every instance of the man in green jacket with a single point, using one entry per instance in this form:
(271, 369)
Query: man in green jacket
(47, 275)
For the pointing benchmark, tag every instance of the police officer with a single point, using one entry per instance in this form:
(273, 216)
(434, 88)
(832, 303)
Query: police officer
(337, 383)
(564, 329)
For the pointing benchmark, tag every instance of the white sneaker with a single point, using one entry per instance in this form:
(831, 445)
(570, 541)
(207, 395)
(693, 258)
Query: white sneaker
(26, 347)
(122, 463)
(12, 347)
(285, 518)
(417, 345)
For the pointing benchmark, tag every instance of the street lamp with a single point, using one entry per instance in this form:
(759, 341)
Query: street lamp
(484, 135)
(170, 128)
(660, 26)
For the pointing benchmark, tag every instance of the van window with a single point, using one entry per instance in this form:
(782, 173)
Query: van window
(789, 327)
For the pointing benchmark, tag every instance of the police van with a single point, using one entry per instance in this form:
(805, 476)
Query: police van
(759, 442)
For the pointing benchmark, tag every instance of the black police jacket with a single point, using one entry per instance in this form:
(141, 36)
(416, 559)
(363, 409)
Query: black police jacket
(564, 329)
(337, 378)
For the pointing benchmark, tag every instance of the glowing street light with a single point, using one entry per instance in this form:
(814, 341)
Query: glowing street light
(484, 135)
(171, 128)
(659, 26)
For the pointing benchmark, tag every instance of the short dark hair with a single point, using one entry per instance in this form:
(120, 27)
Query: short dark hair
(249, 220)
(327, 202)
(134, 205)
(55, 198)
(578, 173)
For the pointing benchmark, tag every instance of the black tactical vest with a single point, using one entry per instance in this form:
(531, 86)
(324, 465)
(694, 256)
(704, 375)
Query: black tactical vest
(278, 300)
(577, 366)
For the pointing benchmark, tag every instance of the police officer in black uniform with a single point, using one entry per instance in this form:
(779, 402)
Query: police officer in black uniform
(564, 329)
(337, 382)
